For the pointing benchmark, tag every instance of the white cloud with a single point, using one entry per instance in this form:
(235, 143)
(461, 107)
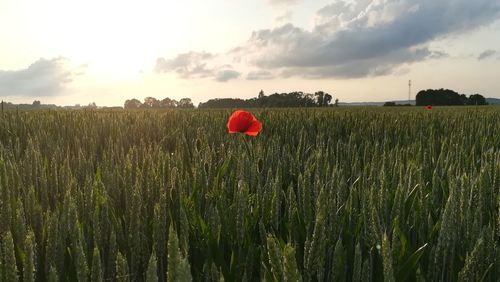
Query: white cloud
(285, 17)
(197, 65)
(187, 65)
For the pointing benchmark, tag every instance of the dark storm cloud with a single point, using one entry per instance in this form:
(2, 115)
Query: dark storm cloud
(486, 54)
(42, 78)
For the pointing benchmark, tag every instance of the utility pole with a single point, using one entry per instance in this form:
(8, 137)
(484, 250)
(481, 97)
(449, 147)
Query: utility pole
(409, 91)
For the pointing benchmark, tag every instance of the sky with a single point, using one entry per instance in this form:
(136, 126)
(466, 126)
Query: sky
(77, 52)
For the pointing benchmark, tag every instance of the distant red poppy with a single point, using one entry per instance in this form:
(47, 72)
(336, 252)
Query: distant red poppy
(429, 107)
(244, 122)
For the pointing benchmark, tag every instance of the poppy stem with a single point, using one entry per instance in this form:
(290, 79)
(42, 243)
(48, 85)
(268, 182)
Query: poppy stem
(247, 146)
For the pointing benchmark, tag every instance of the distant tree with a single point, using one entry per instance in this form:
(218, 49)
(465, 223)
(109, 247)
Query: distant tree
(477, 99)
(336, 102)
(463, 99)
(446, 97)
(151, 102)
(261, 98)
(389, 104)
(168, 103)
(185, 103)
(92, 106)
(320, 96)
(224, 103)
(440, 97)
(276, 100)
(323, 99)
(36, 103)
(132, 104)
(308, 100)
(292, 99)
(327, 99)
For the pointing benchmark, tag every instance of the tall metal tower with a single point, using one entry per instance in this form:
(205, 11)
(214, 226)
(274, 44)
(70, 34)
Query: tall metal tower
(409, 91)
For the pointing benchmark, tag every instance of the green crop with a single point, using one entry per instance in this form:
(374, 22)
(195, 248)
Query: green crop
(338, 194)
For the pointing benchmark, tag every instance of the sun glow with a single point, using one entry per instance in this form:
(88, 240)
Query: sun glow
(114, 38)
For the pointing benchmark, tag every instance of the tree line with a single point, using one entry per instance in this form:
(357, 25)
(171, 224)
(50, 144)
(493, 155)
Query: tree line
(292, 99)
(447, 97)
(153, 103)
(37, 105)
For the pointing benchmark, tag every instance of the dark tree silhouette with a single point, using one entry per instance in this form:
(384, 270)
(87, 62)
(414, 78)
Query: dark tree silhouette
(477, 99)
(261, 94)
(447, 97)
(185, 103)
(168, 103)
(327, 99)
(224, 103)
(151, 102)
(132, 104)
(323, 99)
(292, 99)
(320, 96)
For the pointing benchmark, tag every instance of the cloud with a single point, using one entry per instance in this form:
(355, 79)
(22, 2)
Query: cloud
(193, 65)
(187, 65)
(349, 39)
(384, 65)
(226, 75)
(42, 78)
(285, 17)
(338, 14)
(365, 38)
(486, 54)
(260, 75)
(282, 2)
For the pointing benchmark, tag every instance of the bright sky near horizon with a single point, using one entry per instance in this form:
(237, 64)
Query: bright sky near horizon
(69, 52)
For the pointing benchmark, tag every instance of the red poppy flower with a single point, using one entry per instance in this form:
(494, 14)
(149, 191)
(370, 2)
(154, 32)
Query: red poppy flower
(244, 122)
(429, 107)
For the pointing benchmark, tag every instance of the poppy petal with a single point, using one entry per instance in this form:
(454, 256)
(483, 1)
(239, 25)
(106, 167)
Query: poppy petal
(239, 121)
(254, 128)
(243, 122)
(235, 122)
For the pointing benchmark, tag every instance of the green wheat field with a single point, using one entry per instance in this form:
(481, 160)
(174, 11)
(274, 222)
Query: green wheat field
(338, 194)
